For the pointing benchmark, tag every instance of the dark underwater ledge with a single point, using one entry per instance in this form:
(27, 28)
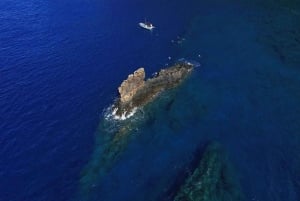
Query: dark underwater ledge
(213, 179)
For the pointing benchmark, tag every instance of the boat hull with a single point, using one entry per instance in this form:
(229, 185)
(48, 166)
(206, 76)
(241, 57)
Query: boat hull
(145, 26)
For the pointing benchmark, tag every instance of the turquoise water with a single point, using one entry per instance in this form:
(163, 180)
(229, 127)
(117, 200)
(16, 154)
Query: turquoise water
(64, 61)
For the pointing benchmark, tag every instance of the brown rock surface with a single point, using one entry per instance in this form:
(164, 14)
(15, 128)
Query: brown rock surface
(130, 86)
(136, 92)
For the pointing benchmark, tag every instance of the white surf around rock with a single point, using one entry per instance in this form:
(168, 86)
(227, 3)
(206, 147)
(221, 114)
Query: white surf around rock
(110, 113)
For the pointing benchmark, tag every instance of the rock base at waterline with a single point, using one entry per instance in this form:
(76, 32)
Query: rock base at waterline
(135, 92)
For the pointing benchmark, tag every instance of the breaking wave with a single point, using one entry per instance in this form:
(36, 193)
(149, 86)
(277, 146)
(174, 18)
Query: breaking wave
(110, 113)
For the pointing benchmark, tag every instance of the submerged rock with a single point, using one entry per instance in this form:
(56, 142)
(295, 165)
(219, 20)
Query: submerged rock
(212, 180)
(136, 92)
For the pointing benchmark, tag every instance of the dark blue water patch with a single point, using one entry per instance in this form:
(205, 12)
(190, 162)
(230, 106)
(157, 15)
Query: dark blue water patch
(278, 30)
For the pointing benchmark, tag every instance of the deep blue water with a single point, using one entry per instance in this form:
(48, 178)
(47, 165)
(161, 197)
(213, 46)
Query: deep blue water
(61, 64)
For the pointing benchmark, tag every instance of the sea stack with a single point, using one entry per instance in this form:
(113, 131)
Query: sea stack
(129, 87)
(135, 92)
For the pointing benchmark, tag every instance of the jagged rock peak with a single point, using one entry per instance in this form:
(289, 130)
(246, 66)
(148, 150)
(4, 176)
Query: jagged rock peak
(131, 85)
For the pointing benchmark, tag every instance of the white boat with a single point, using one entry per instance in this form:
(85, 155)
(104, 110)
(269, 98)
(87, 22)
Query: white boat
(146, 25)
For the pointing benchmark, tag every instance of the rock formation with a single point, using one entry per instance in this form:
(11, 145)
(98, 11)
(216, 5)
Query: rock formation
(115, 136)
(213, 179)
(136, 92)
(130, 86)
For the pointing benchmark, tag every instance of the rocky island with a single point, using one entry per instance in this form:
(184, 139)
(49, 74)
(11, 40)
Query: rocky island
(136, 92)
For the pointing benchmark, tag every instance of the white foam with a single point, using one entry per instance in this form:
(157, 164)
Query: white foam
(111, 114)
(124, 115)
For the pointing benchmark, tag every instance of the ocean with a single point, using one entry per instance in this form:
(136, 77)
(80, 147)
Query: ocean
(61, 65)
